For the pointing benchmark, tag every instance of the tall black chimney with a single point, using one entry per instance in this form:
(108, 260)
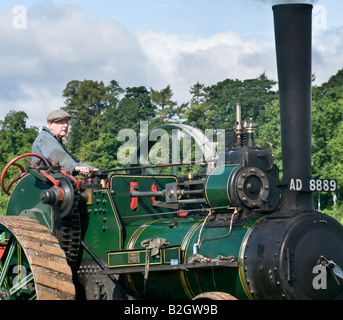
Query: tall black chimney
(293, 39)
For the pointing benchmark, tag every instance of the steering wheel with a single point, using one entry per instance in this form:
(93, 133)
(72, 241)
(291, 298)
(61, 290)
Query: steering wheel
(22, 173)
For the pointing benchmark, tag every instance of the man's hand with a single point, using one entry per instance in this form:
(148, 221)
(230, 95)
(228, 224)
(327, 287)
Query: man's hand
(84, 170)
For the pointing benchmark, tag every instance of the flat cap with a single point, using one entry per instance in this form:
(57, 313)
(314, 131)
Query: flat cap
(58, 115)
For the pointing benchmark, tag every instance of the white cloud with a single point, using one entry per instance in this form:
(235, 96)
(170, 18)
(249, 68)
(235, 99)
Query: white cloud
(60, 45)
(327, 53)
(184, 60)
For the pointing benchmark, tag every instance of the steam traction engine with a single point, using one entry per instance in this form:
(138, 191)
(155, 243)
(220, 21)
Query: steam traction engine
(232, 230)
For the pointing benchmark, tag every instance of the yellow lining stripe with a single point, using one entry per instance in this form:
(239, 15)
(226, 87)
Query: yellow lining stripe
(184, 245)
(131, 245)
(241, 272)
(115, 216)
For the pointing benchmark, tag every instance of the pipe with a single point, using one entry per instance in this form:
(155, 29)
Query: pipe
(238, 126)
(293, 40)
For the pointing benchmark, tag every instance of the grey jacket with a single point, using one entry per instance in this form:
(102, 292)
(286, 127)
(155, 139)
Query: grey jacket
(50, 148)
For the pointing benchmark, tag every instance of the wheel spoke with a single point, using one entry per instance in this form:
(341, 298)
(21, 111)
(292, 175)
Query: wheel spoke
(13, 274)
(21, 284)
(8, 259)
(33, 297)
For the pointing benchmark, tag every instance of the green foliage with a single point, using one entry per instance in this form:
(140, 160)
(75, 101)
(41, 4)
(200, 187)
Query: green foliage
(166, 108)
(15, 139)
(136, 106)
(214, 107)
(87, 101)
(336, 213)
(101, 152)
(269, 130)
(3, 204)
(327, 129)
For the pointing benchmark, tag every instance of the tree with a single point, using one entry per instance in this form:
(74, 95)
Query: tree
(201, 116)
(135, 107)
(15, 137)
(335, 81)
(198, 94)
(87, 101)
(327, 115)
(113, 93)
(269, 131)
(218, 101)
(334, 168)
(164, 107)
(102, 153)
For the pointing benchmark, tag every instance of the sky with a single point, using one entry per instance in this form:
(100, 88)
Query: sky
(44, 44)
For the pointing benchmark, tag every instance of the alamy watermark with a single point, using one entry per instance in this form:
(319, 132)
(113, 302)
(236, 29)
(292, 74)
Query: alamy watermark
(319, 17)
(169, 146)
(320, 280)
(321, 271)
(19, 21)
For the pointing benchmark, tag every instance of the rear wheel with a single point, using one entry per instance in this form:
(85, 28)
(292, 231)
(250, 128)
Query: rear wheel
(215, 295)
(33, 265)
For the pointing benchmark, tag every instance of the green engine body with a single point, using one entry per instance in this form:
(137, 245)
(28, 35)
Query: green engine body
(104, 219)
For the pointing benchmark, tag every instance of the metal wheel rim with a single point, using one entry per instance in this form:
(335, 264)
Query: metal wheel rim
(33, 265)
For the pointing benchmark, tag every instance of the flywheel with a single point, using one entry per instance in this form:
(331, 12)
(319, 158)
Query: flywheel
(33, 266)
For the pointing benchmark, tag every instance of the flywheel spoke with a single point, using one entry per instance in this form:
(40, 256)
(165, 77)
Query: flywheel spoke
(8, 257)
(21, 284)
(14, 276)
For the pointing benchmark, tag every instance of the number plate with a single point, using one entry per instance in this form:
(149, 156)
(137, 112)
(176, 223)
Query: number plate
(133, 257)
(313, 185)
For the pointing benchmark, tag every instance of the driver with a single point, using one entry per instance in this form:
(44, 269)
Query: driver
(49, 144)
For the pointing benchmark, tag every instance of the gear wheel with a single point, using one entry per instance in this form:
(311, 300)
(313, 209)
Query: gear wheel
(68, 232)
(67, 229)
